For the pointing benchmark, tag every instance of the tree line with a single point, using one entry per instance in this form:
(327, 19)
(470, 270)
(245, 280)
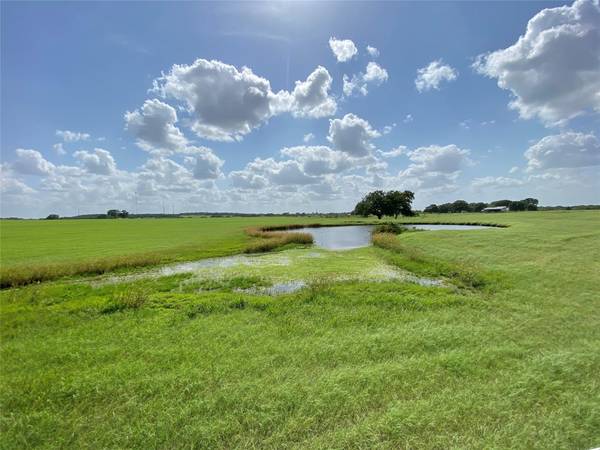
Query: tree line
(527, 204)
(390, 203)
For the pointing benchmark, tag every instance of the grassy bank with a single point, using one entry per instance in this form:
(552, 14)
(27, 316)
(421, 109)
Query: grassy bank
(508, 361)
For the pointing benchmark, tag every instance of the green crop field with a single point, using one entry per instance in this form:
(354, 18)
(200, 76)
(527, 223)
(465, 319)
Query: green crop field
(505, 353)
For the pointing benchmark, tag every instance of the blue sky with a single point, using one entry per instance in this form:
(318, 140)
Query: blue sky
(80, 67)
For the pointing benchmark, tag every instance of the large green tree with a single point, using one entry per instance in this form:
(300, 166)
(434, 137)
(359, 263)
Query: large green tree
(380, 203)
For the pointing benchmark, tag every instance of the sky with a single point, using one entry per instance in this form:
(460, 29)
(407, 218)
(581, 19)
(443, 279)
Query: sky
(295, 106)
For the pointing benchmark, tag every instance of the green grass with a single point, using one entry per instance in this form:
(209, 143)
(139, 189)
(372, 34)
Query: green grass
(37, 250)
(506, 356)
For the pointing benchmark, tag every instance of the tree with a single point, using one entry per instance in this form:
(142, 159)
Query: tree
(391, 203)
(53, 217)
(113, 213)
(399, 203)
(460, 206)
(477, 206)
(432, 209)
(124, 213)
(378, 204)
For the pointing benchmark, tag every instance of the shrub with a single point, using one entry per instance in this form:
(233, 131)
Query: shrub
(389, 227)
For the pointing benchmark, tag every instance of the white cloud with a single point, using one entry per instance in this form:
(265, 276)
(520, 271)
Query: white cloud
(204, 163)
(245, 179)
(279, 173)
(435, 158)
(100, 162)
(388, 129)
(514, 169)
(497, 182)
(400, 150)
(408, 118)
(434, 167)
(31, 162)
(308, 137)
(564, 150)
(352, 135)
(553, 70)
(372, 51)
(465, 124)
(226, 103)
(72, 136)
(311, 98)
(374, 74)
(343, 49)
(153, 125)
(320, 160)
(431, 76)
(59, 148)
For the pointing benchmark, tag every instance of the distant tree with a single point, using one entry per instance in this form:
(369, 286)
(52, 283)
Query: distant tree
(391, 203)
(460, 206)
(378, 204)
(501, 203)
(53, 217)
(432, 209)
(124, 213)
(445, 208)
(399, 203)
(113, 213)
(361, 209)
(477, 206)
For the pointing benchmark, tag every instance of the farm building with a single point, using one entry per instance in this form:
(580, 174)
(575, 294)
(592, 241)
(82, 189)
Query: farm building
(491, 209)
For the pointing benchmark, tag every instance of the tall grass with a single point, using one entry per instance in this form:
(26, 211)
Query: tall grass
(271, 240)
(20, 275)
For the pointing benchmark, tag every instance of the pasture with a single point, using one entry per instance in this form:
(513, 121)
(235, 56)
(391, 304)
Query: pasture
(504, 354)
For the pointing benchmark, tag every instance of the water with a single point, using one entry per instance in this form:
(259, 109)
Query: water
(356, 236)
(341, 238)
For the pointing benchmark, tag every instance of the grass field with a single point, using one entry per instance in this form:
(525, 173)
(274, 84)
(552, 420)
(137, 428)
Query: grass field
(505, 355)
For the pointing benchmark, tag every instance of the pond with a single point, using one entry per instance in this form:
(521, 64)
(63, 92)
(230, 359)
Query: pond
(340, 238)
(356, 236)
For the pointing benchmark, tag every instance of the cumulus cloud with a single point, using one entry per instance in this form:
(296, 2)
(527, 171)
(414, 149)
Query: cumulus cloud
(320, 160)
(99, 162)
(280, 173)
(352, 135)
(565, 150)
(246, 179)
(72, 136)
(435, 167)
(372, 51)
(400, 150)
(311, 98)
(153, 125)
(31, 162)
(553, 70)
(408, 118)
(374, 74)
(308, 137)
(204, 163)
(226, 103)
(343, 49)
(431, 76)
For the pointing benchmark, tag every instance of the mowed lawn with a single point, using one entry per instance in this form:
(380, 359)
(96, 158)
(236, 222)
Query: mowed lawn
(506, 356)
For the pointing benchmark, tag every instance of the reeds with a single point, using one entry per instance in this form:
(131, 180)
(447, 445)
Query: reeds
(271, 240)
